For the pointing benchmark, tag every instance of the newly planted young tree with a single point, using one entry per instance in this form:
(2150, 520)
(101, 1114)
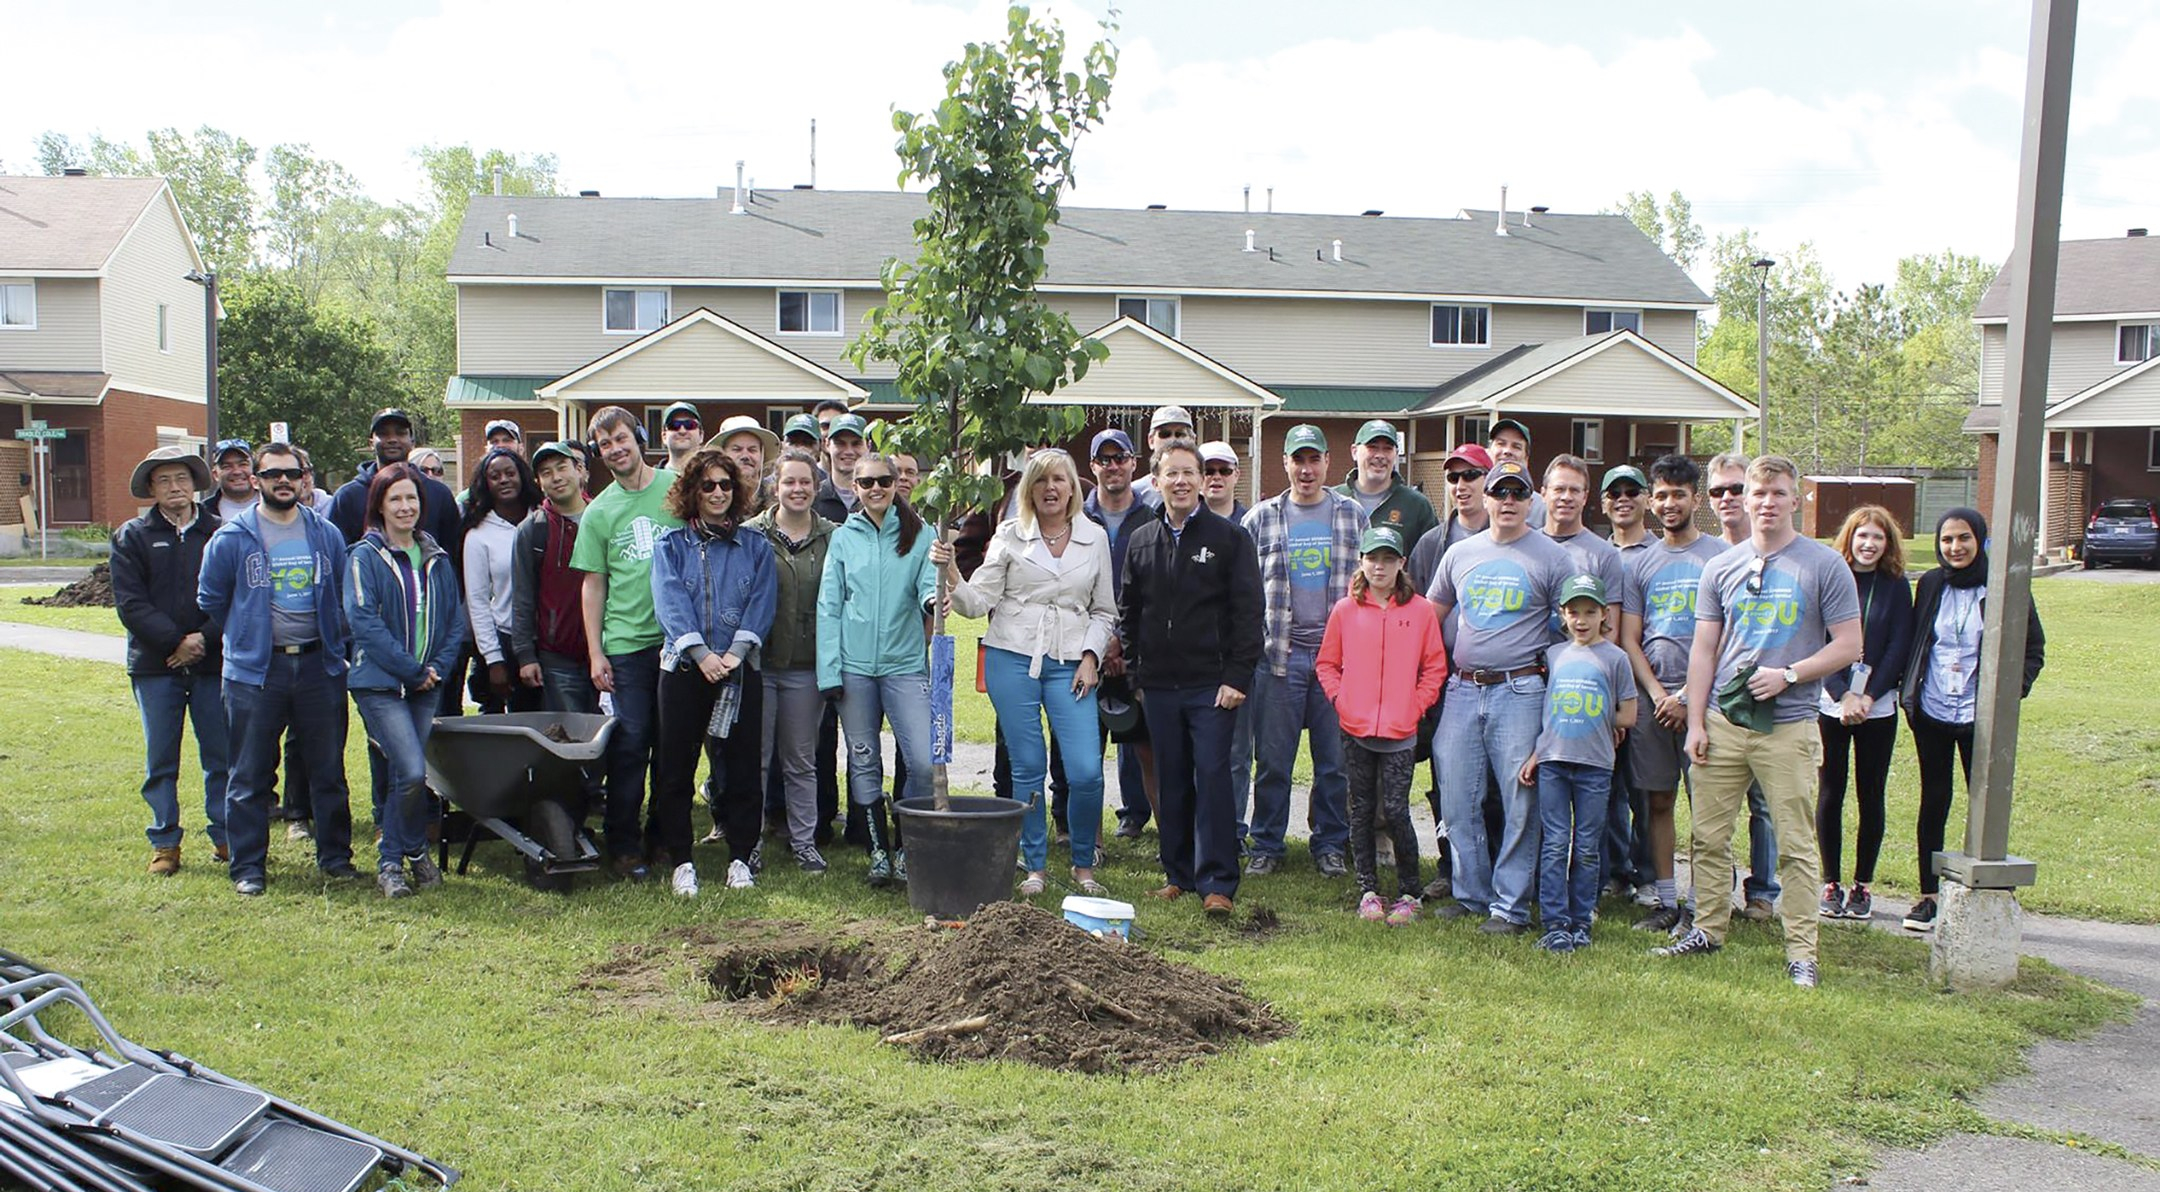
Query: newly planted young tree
(961, 325)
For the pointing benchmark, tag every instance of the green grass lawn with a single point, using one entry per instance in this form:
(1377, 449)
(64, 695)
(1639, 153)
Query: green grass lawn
(88, 620)
(455, 1022)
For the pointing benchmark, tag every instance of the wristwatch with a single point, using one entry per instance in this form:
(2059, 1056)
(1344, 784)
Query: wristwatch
(1792, 677)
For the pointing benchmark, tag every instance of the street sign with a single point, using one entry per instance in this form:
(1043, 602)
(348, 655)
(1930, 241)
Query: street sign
(39, 431)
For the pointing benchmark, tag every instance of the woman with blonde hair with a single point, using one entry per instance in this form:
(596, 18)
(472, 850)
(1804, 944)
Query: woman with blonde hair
(1045, 585)
(1857, 712)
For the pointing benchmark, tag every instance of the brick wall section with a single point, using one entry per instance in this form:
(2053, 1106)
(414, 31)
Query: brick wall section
(121, 430)
(14, 467)
(1985, 494)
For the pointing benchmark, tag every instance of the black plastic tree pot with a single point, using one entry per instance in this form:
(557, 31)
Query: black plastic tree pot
(962, 857)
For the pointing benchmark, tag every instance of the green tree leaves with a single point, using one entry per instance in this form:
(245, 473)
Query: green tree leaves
(283, 359)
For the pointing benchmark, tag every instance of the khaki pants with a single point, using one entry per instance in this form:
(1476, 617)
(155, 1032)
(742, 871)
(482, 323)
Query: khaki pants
(1784, 761)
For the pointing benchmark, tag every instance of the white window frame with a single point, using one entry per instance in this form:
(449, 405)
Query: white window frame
(2152, 342)
(1465, 423)
(1613, 314)
(27, 283)
(164, 328)
(1460, 308)
(839, 326)
(1580, 432)
(667, 306)
(1148, 304)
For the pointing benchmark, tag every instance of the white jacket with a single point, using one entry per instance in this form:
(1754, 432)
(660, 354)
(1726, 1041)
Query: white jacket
(489, 547)
(1039, 612)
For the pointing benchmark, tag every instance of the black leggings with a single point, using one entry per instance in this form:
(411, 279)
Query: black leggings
(686, 706)
(1870, 744)
(1934, 743)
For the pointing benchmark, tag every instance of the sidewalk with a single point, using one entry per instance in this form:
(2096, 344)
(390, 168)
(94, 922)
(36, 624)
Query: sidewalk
(2105, 1087)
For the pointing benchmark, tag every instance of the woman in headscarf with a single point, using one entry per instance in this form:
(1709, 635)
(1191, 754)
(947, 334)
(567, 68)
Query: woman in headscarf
(1942, 683)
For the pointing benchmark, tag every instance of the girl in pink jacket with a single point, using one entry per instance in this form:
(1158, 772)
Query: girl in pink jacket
(1382, 663)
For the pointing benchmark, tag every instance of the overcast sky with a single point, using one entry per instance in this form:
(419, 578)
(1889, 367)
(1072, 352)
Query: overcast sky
(1872, 129)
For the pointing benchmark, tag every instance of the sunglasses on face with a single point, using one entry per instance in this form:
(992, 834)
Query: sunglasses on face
(1727, 490)
(1623, 494)
(1113, 461)
(1509, 494)
(874, 481)
(1219, 470)
(1460, 477)
(683, 424)
(434, 471)
(716, 486)
(280, 473)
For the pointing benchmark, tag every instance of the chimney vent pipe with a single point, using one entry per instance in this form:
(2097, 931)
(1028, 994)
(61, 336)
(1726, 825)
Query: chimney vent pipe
(2137, 231)
(1249, 241)
(513, 225)
(1500, 227)
(1338, 251)
(737, 209)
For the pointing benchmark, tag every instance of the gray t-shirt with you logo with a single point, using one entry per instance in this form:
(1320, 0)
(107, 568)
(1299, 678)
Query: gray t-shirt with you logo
(1774, 622)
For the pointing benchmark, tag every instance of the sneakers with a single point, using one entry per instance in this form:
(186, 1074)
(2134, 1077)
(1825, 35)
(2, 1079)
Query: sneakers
(880, 875)
(899, 866)
(1803, 973)
(1128, 831)
(1403, 912)
(715, 836)
(1758, 910)
(1261, 866)
(630, 868)
(390, 879)
(1646, 894)
(1859, 904)
(1330, 865)
(299, 830)
(342, 871)
(1440, 887)
(165, 862)
(1696, 942)
(1922, 916)
(1451, 909)
(1370, 908)
(1664, 919)
(426, 875)
(1499, 925)
(1582, 937)
(739, 876)
(1686, 923)
(248, 887)
(808, 859)
(1833, 902)
(685, 880)
(1559, 941)
(756, 859)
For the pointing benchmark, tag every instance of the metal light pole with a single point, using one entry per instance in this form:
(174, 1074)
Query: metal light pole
(1762, 267)
(208, 281)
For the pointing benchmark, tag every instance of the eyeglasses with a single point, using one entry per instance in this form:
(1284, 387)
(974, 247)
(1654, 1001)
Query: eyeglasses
(1508, 494)
(682, 424)
(437, 470)
(1755, 575)
(1220, 470)
(885, 481)
(1460, 477)
(1623, 494)
(280, 473)
(716, 486)
(1727, 490)
(1113, 461)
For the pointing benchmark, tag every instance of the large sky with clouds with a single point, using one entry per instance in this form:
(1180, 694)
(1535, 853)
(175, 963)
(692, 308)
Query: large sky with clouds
(1870, 129)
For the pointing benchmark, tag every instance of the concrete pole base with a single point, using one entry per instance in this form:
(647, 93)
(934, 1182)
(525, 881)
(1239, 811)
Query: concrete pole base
(1976, 939)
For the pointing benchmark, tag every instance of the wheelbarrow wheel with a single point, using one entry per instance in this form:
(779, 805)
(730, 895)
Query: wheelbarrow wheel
(550, 826)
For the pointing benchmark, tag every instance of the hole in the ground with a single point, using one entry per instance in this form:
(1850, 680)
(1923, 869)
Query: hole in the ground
(780, 974)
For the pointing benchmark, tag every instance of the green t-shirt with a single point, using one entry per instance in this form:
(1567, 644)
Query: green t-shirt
(616, 539)
(420, 608)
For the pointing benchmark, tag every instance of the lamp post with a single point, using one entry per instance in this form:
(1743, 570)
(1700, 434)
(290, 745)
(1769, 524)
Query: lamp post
(208, 281)
(1762, 267)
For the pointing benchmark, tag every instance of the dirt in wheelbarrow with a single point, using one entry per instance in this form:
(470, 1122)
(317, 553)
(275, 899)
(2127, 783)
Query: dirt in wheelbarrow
(1015, 983)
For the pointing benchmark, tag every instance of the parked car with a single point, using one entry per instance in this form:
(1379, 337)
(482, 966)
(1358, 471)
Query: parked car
(2124, 530)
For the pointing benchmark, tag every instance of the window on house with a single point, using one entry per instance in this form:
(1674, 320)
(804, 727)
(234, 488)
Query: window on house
(1159, 313)
(1461, 326)
(1474, 428)
(1586, 438)
(636, 310)
(810, 312)
(18, 304)
(2152, 450)
(164, 328)
(2136, 343)
(1598, 322)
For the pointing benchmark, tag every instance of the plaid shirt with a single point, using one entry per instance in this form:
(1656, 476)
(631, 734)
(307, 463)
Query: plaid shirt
(1269, 525)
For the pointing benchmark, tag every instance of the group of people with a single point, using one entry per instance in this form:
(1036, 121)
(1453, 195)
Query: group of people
(757, 597)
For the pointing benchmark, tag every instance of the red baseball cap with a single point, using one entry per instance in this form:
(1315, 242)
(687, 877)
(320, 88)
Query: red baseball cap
(1472, 454)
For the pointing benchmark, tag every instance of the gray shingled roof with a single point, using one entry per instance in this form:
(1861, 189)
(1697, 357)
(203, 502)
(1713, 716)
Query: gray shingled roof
(1509, 368)
(846, 236)
(2092, 277)
(63, 224)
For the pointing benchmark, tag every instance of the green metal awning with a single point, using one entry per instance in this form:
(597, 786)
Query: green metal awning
(1346, 399)
(464, 389)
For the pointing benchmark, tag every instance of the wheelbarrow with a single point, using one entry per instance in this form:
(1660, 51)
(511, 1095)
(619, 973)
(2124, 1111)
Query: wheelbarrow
(518, 775)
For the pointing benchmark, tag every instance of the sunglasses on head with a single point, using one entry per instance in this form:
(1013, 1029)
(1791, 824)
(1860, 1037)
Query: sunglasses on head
(885, 481)
(1727, 490)
(280, 473)
(1466, 474)
(716, 486)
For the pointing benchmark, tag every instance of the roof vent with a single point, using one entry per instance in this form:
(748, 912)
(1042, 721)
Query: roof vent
(2137, 231)
(1373, 213)
(1338, 251)
(737, 209)
(588, 194)
(1249, 241)
(1533, 211)
(1158, 207)
(1500, 224)
(74, 172)
(513, 225)
(806, 185)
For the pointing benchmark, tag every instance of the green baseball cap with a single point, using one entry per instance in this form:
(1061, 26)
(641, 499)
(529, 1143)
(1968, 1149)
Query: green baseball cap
(1624, 472)
(1379, 428)
(803, 424)
(1380, 538)
(681, 407)
(1304, 437)
(1579, 586)
(848, 424)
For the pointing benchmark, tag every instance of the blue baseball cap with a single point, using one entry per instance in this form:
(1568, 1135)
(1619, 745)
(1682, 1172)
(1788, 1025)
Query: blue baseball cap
(226, 447)
(1113, 435)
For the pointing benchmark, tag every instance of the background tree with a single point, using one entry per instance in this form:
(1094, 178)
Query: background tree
(281, 359)
(961, 324)
(1671, 227)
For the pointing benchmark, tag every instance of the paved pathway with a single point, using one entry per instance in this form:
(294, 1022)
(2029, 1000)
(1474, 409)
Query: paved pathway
(2104, 1087)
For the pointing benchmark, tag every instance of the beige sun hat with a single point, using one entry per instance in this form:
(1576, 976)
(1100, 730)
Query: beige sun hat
(139, 483)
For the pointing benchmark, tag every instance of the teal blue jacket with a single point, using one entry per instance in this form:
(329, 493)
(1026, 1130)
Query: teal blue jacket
(871, 601)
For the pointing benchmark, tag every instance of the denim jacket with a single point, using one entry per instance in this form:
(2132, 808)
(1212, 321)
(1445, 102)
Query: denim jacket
(713, 592)
(375, 600)
(234, 589)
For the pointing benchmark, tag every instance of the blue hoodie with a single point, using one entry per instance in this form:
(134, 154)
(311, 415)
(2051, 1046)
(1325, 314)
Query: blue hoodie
(234, 589)
(375, 602)
(713, 592)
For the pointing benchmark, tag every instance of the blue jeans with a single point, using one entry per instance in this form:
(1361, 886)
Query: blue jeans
(1762, 849)
(166, 702)
(900, 700)
(398, 726)
(566, 684)
(1021, 704)
(1489, 732)
(1296, 705)
(1571, 810)
(1196, 824)
(630, 749)
(295, 693)
(1241, 752)
(1619, 851)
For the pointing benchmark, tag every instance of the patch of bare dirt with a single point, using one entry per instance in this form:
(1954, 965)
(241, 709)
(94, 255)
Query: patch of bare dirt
(91, 591)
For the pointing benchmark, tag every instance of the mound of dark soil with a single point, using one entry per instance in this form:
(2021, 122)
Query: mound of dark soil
(1016, 983)
(91, 591)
